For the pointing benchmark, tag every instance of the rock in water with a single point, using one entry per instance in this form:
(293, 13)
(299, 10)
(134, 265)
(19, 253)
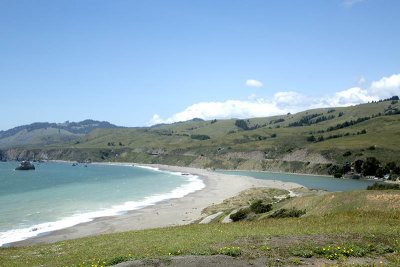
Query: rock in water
(24, 166)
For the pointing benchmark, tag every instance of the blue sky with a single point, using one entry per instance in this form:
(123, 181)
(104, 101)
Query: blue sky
(134, 63)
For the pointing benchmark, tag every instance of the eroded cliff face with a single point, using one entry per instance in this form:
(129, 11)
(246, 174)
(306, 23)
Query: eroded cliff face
(297, 162)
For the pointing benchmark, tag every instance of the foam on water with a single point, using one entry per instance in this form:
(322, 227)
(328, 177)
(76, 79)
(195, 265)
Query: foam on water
(195, 184)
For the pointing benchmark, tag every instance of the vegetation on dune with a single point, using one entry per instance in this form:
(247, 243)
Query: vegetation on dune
(379, 186)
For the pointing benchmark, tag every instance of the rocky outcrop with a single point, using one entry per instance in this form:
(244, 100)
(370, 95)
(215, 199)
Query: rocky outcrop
(25, 166)
(245, 155)
(303, 155)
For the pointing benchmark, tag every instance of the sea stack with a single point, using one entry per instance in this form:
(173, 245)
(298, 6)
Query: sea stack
(25, 166)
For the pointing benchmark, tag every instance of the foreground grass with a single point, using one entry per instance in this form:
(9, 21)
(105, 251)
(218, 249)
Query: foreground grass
(379, 229)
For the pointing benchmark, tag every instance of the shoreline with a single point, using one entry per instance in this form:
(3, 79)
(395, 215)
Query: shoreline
(167, 213)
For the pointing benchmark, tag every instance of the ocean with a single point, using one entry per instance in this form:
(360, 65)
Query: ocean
(59, 195)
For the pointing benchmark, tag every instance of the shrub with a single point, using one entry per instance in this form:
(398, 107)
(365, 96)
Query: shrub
(242, 124)
(382, 186)
(231, 251)
(311, 138)
(259, 207)
(200, 136)
(240, 214)
(347, 153)
(302, 254)
(337, 175)
(370, 166)
(285, 213)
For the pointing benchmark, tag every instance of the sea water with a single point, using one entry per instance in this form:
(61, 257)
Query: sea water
(59, 195)
(310, 181)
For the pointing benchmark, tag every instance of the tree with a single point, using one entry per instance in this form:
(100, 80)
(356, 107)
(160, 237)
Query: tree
(357, 165)
(311, 138)
(391, 165)
(370, 166)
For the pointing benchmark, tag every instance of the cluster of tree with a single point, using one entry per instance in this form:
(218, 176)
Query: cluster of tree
(305, 120)
(321, 138)
(393, 98)
(276, 121)
(113, 144)
(331, 110)
(200, 136)
(165, 132)
(243, 125)
(258, 137)
(368, 167)
(347, 124)
(392, 111)
(213, 121)
(324, 118)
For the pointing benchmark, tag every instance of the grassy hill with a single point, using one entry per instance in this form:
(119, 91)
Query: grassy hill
(44, 133)
(304, 142)
(338, 228)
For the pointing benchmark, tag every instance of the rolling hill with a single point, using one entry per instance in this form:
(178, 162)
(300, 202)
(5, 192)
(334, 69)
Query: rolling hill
(44, 133)
(310, 141)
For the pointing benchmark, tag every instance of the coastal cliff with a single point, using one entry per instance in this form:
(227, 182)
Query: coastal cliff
(292, 162)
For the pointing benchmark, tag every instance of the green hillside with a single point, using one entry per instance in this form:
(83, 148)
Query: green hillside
(44, 133)
(307, 142)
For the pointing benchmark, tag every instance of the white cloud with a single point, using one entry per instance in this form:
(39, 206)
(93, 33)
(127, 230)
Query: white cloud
(386, 87)
(350, 3)
(284, 102)
(254, 83)
(361, 80)
(155, 120)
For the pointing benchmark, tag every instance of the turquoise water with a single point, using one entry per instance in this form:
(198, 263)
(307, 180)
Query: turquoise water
(58, 195)
(321, 182)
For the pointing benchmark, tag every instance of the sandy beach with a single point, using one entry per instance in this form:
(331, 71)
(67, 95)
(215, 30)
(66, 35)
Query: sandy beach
(173, 212)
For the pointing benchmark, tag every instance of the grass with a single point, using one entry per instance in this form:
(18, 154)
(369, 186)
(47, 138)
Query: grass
(361, 200)
(260, 238)
(189, 240)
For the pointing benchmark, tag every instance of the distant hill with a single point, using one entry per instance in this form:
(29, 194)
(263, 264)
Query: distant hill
(45, 133)
(165, 124)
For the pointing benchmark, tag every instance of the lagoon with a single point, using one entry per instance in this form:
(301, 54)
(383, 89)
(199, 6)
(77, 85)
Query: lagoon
(310, 181)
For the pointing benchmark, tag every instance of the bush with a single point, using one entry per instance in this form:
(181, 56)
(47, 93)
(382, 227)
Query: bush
(200, 136)
(259, 207)
(302, 254)
(347, 153)
(240, 214)
(231, 251)
(337, 175)
(311, 138)
(241, 124)
(370, 166)
(285, 213)
(382, 186)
